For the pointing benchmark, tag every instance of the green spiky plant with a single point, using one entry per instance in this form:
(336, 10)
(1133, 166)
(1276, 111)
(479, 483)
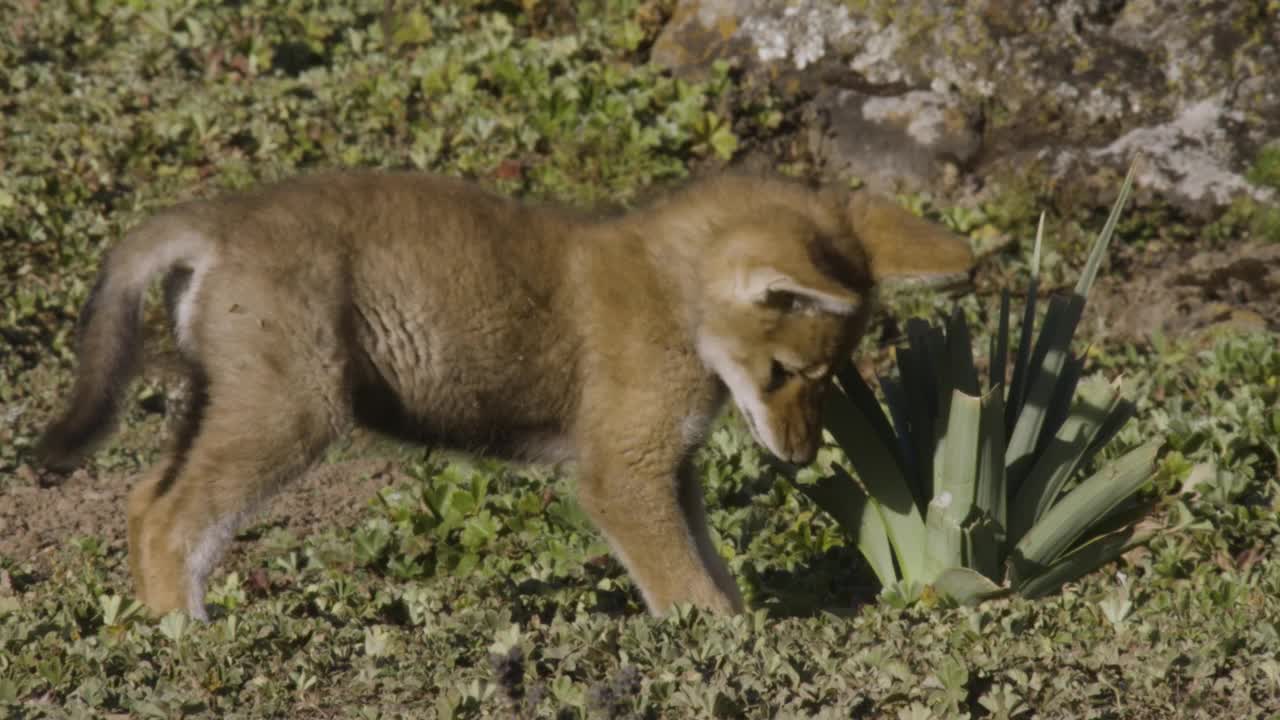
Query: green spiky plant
(974, 493)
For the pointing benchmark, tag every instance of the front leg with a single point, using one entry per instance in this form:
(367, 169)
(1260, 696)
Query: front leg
(638, 488)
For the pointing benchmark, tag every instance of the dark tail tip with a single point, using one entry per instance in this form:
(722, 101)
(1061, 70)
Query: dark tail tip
(108, 338)
(69, 440)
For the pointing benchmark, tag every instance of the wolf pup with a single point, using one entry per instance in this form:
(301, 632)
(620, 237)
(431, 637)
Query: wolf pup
(434, 311)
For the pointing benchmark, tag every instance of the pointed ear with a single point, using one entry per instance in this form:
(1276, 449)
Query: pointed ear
(903, 246)
(772, 288)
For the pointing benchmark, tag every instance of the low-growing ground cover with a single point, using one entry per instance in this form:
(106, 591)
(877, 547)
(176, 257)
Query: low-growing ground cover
(395, 582)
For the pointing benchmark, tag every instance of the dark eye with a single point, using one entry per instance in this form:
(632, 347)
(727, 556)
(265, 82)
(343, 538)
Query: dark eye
(782, 300)
(778, 376)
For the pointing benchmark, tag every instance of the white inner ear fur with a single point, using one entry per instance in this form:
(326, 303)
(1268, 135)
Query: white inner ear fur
(753, 286)
(745, 391)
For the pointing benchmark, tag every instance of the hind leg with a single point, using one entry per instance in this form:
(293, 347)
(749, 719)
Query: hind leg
(181, 517)
(140, 498)
(255, 432)
(159, 476)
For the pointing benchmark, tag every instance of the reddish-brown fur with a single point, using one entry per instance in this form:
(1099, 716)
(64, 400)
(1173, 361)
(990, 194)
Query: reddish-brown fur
(434, 311)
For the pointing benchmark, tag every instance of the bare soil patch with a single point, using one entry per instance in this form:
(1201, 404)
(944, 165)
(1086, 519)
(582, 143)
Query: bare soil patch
(37, 519)
(1191, 290)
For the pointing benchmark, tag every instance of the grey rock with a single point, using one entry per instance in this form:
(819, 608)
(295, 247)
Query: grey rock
(701, 32)
(916, 93)
(917, 139)
(1189, 157)
(799, 33)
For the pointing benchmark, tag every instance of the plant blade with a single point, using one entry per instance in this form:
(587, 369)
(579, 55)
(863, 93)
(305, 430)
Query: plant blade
(1064, 393)
(858, 424)
(840, 496)
(1071, 448)
(1044, 373)
(967, 587)
(1094, 498)
(990, 496)
(944, 537)
(964, 374)
(900, 415)
(927, 391)
(999, 353)
(1018, 385)
(1084, 560)
(955, 480)
(869, 413)
(1099, 249)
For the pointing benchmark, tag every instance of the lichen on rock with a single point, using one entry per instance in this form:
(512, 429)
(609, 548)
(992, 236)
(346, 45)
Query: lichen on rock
(910, 94)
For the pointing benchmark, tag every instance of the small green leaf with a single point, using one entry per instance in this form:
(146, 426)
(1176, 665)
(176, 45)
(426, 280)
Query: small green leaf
(174, 625)
(724, 142)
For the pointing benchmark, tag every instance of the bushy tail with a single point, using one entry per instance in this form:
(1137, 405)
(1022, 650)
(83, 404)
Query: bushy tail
(109, 337)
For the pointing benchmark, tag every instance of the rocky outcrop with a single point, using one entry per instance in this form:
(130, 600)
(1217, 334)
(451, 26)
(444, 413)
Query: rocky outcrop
(930, 94)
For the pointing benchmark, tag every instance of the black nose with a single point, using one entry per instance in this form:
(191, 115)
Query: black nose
(803, 457)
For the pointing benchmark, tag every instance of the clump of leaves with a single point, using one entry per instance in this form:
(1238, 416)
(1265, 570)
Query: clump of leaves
(1266, 168)
(977, 493)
